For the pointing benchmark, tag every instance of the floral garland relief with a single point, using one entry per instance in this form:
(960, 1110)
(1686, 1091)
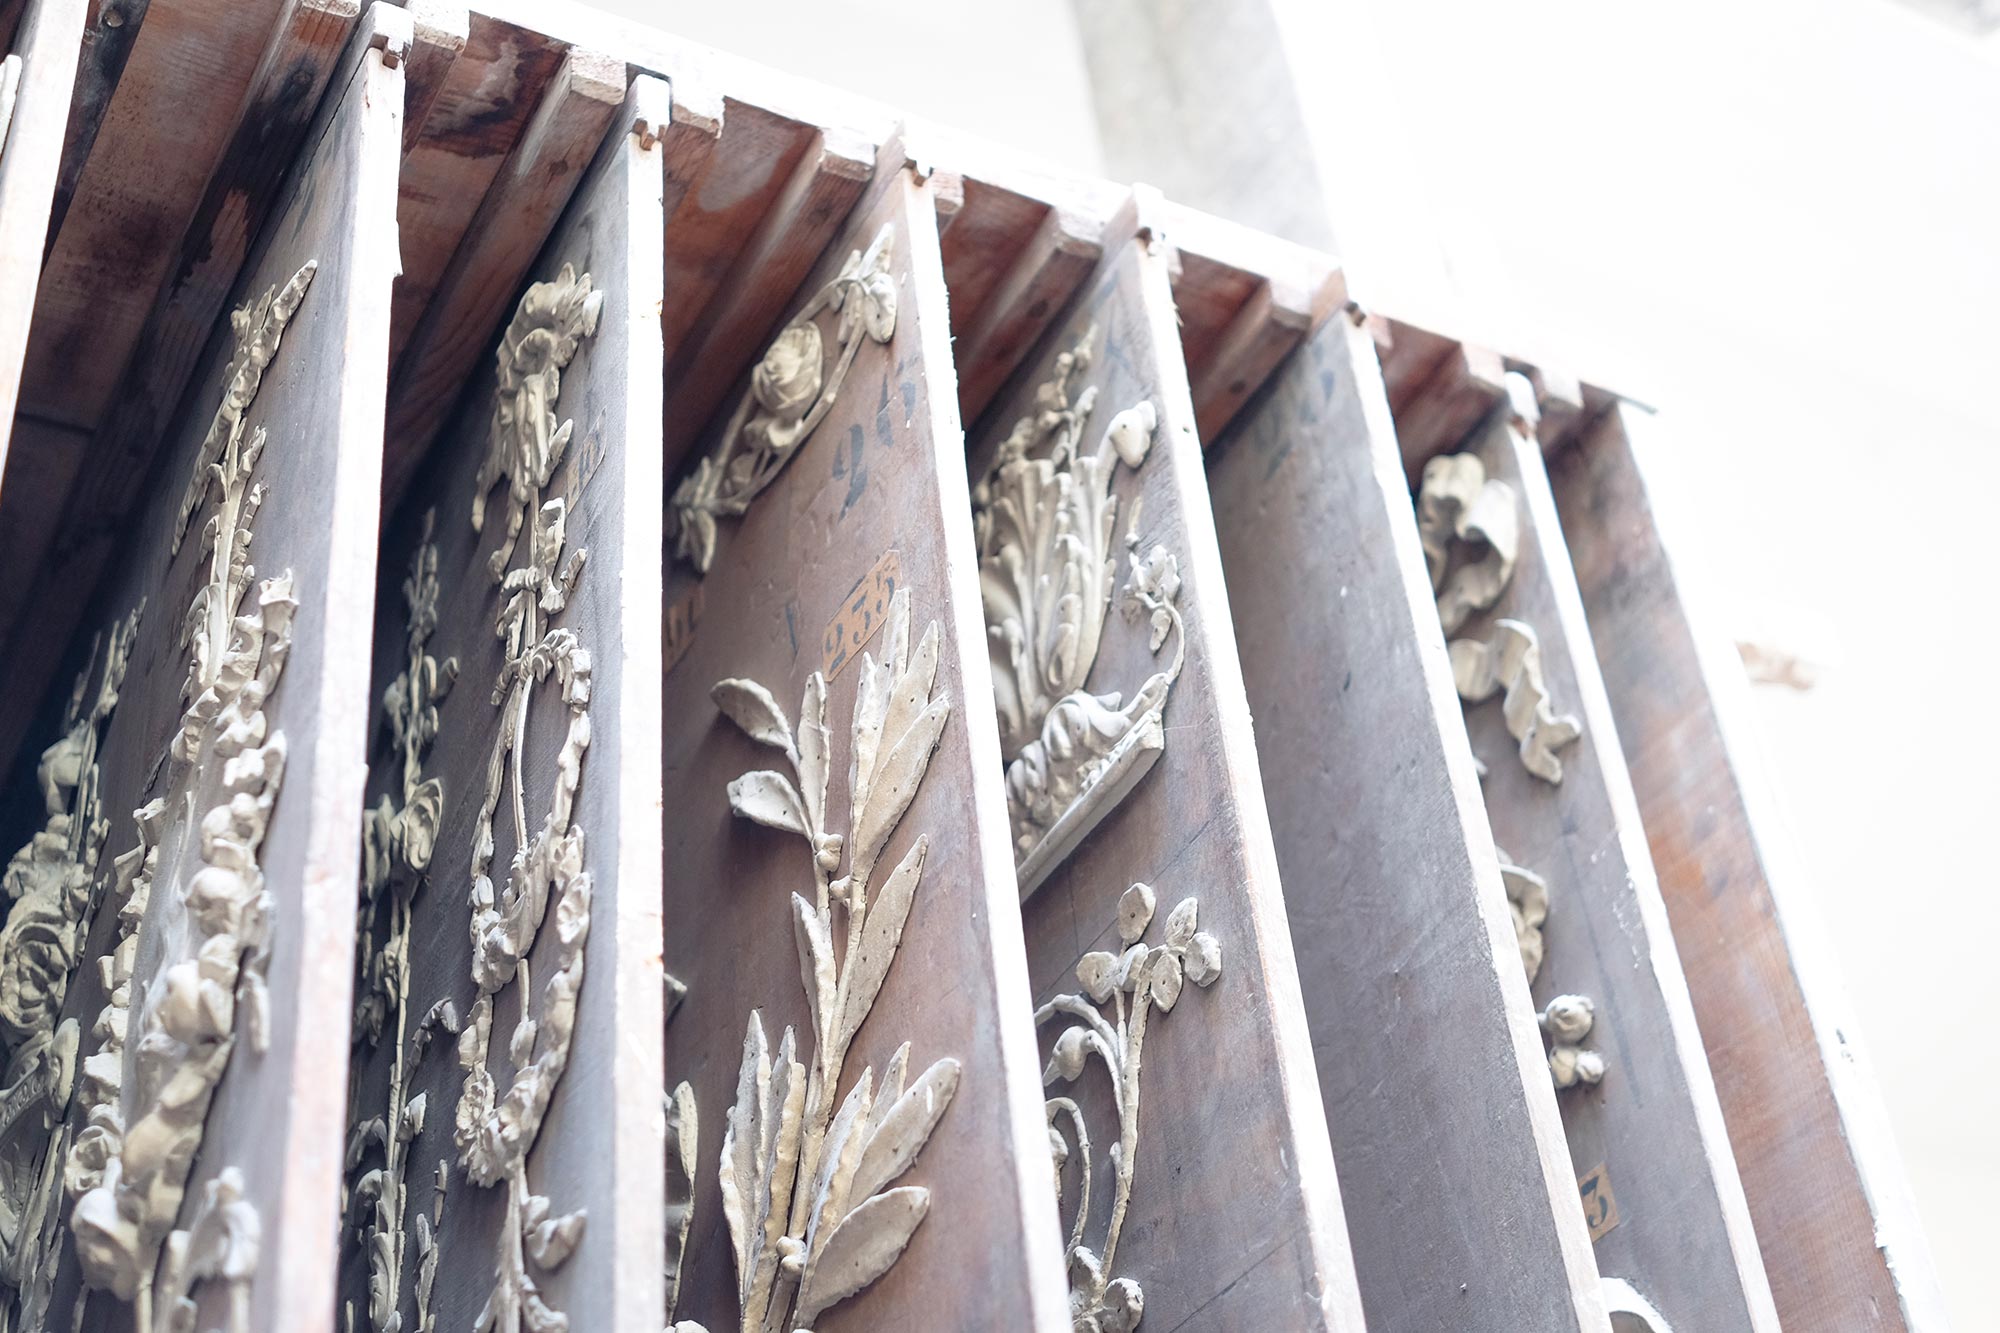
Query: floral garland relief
(397, 843)
(1044, 518)
(53, 890)
(807, 1182)
(495, 1129)
(791, 390)
(166, 1039)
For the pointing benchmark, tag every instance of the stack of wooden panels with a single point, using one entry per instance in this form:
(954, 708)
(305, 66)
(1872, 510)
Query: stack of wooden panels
(534, 517)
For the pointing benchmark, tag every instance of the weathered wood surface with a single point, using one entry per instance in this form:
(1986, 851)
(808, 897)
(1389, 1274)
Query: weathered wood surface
(1235, 1218)
(1461, 1204)
(884, 472)
(1683, 1233)
(277, 1113)
(46, 43)
(599, 1148)
(1835, 1220)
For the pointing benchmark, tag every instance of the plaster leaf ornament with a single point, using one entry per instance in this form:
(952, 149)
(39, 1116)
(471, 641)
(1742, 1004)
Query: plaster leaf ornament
(1528, 902)
(1631, 1312)
(52, 889)
(808, 1180)
(398, 837)
(791, 390)
(1565, 1022)
(1107, 1021)
(496, 1125)
(170, 1029)
(1509, 663)
(683, 1152)
(1044, 518)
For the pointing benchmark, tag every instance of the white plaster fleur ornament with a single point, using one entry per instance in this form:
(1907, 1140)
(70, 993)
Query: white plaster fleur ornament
(792, 388)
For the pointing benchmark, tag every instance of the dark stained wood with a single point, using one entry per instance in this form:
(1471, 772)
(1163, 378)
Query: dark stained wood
(1235, 1218)
(883, 472)
(600, 1147)
(1461, 1205)
(277, 1115)
(1834, 1215)
(30, 153)
(108, 35)
(42, 462)
(502, 238)
(1684, 1237)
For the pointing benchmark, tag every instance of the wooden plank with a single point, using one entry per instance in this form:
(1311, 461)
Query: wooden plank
(439, 30)
(472, 296)
(1234, 1217)
(45, 46)
(1834, 1215)
(139, 192)
(597, 1147)
(42, 463)
(276, 117)
(1060, 254)
(1418, 1007)
(1651, 1133)
(307, 447)
(1441, 412)
(808, 212)
(106, 46)
(878, 487)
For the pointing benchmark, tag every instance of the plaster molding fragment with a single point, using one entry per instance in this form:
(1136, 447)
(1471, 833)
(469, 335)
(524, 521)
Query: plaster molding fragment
(1565, 1021)
(791, 390)
(1509, 663)
(807, 1184)
(167, 1034)
(1631, 1312)
(495, 1128)
(1528, 903)
(1152, 976)
(1044, 518)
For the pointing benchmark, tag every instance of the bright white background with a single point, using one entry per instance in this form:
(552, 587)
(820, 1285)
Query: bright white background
(1779, 220)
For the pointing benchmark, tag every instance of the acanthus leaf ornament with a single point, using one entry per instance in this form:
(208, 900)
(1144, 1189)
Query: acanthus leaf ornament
(791, 390)
(167, 1037)
(495, 1128)
(1132, 983)
(809, 1184)
(1044, 519)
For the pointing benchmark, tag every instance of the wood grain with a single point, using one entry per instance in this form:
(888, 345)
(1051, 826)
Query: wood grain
(1460, 1201)
(1834, 1216)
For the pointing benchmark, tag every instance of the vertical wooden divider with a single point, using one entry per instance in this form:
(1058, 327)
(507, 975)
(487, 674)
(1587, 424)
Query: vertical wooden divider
(1461, 1204)
(1234, 1219)
(1648, 1143)
(1835, 1220)
(264, 896)
(560, 433)
(35, 83)
(872, 504)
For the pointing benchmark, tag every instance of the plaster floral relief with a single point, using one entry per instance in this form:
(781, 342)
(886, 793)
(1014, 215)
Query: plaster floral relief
(499, 1118)
(53, 890)
(1107, 1022)
(1044, 518)
(808, 1177)
(167, 1034)
(792, 388)
(398, 837)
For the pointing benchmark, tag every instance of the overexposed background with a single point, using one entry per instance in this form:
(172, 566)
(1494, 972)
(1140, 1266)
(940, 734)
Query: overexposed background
(1777, 220)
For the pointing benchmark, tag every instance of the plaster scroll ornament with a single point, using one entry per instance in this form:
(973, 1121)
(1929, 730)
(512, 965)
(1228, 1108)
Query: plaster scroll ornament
(169, 1030)
(1528, 902)
(399, 835)
(1565, 1022)
(52, 889)
(1108, 1021)
(808, 1178)
(683, 1163)
(791, 390)
(1509, 663)
(496, 1126)
(1631, 1312)
(1044, 518)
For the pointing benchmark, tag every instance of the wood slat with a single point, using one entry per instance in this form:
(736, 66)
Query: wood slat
(109, 33)
(1460, 1202)
(439, 30)
(473, 296)
(599, 1147)
(1234, 1219)
(277, 1113)
(1652, 1132)
(30, 153)
(883, 473)
(1835, 1219)
(1002, 326)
